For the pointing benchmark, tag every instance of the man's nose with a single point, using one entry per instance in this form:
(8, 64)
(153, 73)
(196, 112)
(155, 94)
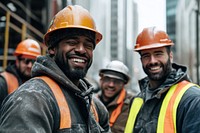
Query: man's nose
(111, 83)
(80, 48)
(153, 59)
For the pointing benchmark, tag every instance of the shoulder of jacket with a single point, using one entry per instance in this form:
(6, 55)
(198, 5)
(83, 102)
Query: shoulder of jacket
(98, 104)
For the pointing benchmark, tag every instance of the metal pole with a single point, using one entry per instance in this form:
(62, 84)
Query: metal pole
(23, 36)
(197, 40)
(6, 40)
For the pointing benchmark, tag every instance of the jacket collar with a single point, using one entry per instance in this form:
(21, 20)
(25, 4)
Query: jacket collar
(177, 74)
(45, 65)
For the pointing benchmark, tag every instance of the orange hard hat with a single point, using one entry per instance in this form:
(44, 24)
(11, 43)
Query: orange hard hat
(28, 48)
(72, 16)
(152, 38)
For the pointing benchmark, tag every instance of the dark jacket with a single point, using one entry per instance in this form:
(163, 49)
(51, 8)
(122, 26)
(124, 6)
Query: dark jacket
(33, 107)
(187, 120)
(3, 85)
(120, 123)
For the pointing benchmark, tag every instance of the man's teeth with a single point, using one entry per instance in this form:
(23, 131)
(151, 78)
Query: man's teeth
(110, 89)
(79, 60)
(154, 68)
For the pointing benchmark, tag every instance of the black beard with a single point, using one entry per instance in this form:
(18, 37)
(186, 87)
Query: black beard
(162, 75)
(74, 74)
(23, 76)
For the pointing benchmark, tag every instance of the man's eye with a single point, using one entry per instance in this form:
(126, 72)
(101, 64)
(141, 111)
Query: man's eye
(145, 56)
(159, 54)
(89, 45)
(71, 42)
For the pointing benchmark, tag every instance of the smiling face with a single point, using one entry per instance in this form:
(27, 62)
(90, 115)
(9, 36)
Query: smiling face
(110, 87)
(24, 66)
(74, 56)
(156, 63)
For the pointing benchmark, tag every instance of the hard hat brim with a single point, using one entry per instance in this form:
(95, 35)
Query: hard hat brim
(109, 73)
(98, 35)
(152, 46)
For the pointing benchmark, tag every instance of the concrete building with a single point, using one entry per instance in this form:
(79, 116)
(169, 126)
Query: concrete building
(187, 36)
(171, 20)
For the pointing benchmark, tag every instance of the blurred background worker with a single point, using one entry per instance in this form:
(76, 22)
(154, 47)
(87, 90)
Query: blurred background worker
(16, 74)
(113, 94)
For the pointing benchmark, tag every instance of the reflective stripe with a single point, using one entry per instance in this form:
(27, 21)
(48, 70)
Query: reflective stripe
(94, 111)
(135, 108)
(65, 117)
(117, 111)
(167, 115)
(11, 81)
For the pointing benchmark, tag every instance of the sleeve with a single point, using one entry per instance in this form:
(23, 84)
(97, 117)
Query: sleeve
(103, 115)
(27, 110)
(3, 89)
(188, 120)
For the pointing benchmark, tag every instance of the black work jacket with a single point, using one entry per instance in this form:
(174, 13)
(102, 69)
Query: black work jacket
(187, 117)
(33, 107)
(3, 85)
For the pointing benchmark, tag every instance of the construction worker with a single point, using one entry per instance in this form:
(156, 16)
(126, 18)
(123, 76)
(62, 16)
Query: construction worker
(58, 98)
(169, 102)
(16, 74)
(113, 94)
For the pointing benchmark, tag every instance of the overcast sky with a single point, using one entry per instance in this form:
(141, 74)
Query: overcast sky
(152, 13)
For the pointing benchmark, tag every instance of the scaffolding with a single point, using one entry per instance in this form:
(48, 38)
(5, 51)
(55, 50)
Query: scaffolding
(25, 29)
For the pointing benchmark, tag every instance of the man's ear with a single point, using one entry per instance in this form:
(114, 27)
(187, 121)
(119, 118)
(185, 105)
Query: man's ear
(101, 80)
(52, 51)
(17, 62)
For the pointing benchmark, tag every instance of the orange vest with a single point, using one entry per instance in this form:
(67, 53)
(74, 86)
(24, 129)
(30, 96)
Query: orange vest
(117, 111)
(167, 115)
(11, 81)
(65, 117)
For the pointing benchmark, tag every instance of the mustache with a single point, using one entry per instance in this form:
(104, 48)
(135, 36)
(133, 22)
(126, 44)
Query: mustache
(69, 55)
(153, 64)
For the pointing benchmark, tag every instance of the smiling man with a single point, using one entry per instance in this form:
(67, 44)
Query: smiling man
(58, 98)
(168, 102)
(113, 94)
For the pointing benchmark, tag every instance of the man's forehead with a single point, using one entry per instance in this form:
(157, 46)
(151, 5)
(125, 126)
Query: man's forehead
(153, 50)
(78, 37)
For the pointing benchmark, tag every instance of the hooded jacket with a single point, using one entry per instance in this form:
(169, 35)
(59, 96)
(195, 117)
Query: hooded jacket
(3, 85)
(187, 117)
(33, 107)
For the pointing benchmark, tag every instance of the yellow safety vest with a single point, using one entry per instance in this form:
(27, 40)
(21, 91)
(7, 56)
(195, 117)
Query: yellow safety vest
(167, 115)
(65, 117)
(11, 81)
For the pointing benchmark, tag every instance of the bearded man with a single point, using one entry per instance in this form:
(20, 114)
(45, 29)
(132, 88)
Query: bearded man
(58, 98)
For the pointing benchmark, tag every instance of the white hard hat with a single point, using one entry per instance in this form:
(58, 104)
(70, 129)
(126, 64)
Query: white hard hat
(116, 69)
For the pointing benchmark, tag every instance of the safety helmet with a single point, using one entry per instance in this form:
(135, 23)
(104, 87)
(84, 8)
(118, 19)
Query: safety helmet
(72, 16)
(116, 67)
(152, 38)
(28, 48)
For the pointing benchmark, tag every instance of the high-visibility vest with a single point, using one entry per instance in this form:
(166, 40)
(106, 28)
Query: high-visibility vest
(11, 81)
(167, 116)
(65, 117)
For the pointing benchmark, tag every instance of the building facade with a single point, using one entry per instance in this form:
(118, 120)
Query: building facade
(187, 36)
